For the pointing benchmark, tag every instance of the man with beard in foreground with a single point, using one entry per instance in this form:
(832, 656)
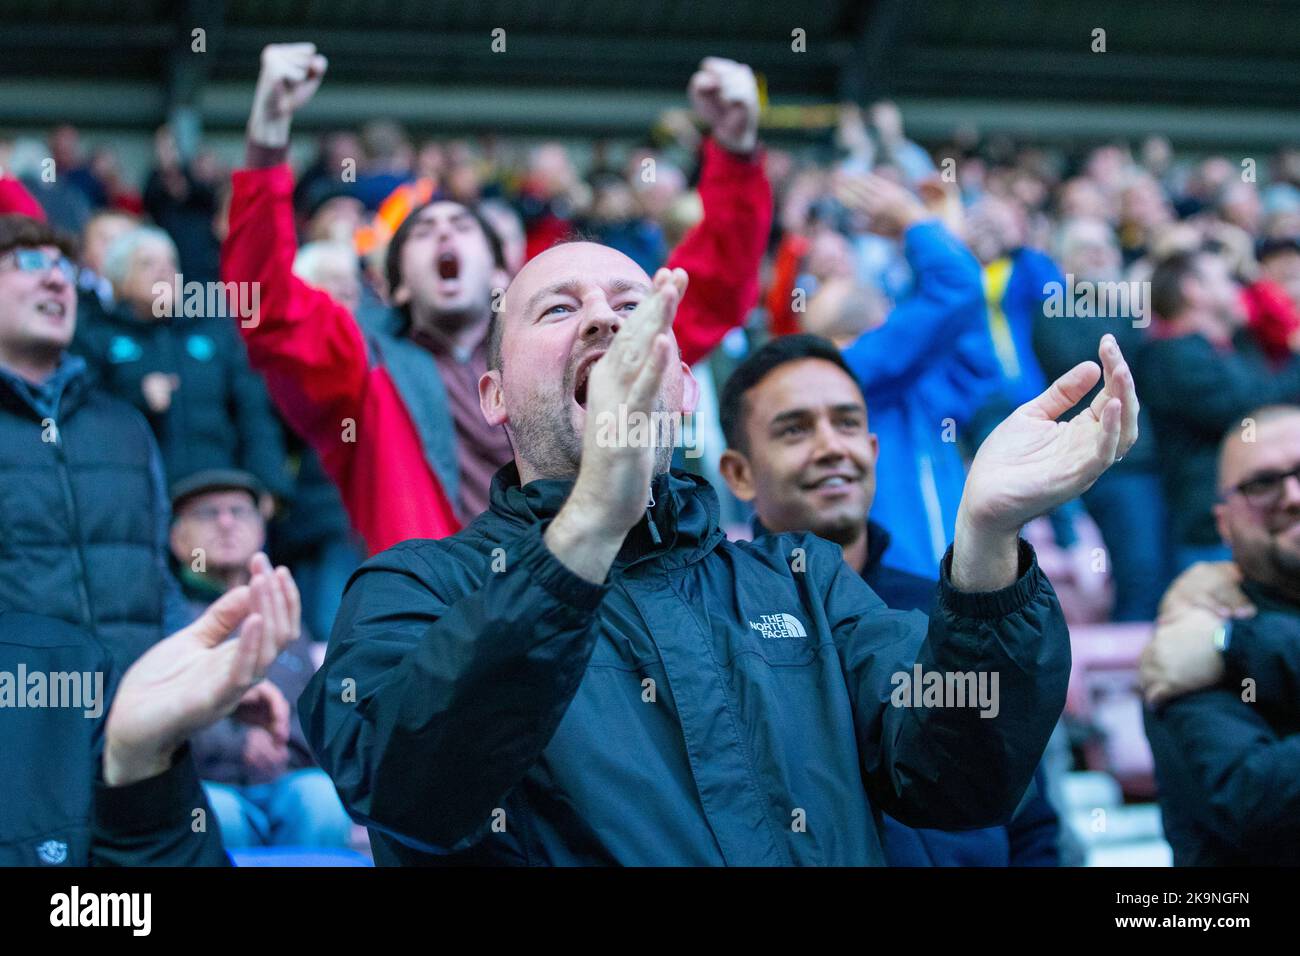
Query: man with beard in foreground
(1226, 731)
(592, 673)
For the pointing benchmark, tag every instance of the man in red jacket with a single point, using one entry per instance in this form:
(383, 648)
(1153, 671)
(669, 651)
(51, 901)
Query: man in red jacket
(401, 435)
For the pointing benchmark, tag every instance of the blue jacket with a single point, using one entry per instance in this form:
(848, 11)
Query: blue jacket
(924, 372)
(55, 808)
(85, 512)
(1022, 305)
(712, 702)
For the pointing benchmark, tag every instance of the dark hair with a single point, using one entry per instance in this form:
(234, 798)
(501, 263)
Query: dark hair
(393, 258)
(1267, 248)
(778, 352)
(24, 232)
(1167, 296)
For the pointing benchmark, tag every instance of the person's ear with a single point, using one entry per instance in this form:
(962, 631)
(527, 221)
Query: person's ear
(738, 474)
(690, 390)
(176, 544)
(500, 282)
(492, 398)
(1221, 522)
(874, 442)
(401, 295)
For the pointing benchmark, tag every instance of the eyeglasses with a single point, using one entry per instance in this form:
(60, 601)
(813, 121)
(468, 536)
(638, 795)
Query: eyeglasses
(210, 513)
(1264, 491)
(37, 260)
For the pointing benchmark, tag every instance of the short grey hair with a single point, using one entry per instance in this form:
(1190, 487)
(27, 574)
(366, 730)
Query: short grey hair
(117, 260)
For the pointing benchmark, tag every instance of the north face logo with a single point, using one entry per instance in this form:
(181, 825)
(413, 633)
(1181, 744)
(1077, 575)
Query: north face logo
(773, 626)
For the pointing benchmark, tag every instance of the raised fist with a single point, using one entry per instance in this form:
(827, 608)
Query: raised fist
(725, 95)
(290, 76)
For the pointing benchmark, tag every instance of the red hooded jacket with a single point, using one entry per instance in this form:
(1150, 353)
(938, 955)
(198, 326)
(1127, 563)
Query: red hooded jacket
(329, 386)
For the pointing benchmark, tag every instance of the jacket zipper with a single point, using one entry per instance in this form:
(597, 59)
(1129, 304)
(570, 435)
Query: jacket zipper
(70, 504)
(650, 522)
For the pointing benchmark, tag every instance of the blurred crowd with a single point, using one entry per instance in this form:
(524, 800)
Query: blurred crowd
(1191, 261)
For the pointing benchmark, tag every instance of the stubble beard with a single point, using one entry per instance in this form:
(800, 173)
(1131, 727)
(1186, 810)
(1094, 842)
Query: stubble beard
(543, 435)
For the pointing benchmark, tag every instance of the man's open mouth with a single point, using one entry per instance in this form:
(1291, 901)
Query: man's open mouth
(448, 265)
(50, 307)
(581, 376)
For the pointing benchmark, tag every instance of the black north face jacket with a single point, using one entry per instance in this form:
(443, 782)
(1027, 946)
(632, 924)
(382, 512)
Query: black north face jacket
(713, 702)
(1227, 758)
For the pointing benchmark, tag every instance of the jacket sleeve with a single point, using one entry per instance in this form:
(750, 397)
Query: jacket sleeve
(723, 253)
(452, 698)
(1209, 392)
(953, 767)
(307, 346)
(153, 822)
(16, 200)
(1268, 655)
(1248, 776)
(946, 300)
(176, 610)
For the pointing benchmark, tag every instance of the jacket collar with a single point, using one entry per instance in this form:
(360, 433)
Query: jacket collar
(685, 514)
(45, 400)
(1269, 599)
(877, 543)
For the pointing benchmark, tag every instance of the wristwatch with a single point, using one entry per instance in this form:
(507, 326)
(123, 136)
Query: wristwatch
(1223, 636)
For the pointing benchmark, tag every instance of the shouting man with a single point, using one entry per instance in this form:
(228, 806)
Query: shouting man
(592, 673)
(394, 417)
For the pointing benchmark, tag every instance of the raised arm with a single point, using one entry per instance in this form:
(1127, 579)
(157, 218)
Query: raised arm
(946, 301)
(998, 618)
(148, 788)
(307, 346)
(442, 723)
(723, 253)
(964, 763)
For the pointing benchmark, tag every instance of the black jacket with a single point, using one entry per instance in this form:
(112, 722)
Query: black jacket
(1030, 839)
(1195, 393)
(85, 515)
(54, 808)
(1228, 767)
(219, 417)
(713, 702)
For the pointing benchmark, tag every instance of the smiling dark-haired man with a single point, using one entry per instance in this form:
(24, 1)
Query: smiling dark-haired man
(592, 673)
(799, 446)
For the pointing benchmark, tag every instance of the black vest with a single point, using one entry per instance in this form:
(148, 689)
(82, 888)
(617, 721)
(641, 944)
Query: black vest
(79, 518)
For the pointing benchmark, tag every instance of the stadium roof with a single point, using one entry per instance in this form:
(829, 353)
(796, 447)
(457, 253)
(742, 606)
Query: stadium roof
(1175, 54)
